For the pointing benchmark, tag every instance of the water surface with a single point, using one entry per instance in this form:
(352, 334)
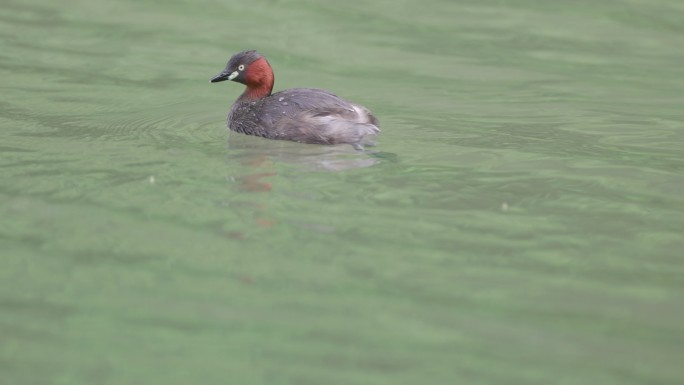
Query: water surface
(520, 222)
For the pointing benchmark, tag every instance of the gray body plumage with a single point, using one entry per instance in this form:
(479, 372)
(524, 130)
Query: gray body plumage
(304, 115)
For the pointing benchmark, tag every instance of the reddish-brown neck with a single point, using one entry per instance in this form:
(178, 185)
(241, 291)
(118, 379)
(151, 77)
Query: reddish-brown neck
(259, 80)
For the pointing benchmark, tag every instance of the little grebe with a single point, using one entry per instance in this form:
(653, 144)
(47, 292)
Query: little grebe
(303, 115)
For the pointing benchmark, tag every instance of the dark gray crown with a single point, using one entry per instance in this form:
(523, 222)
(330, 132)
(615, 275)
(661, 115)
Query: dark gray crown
(244, 57)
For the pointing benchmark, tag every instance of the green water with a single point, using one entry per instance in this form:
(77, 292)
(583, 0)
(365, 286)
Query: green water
(520, 222)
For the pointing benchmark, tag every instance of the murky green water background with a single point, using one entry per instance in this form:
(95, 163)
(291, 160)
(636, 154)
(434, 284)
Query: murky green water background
(521, 221)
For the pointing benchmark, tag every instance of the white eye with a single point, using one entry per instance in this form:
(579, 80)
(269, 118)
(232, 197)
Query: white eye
(241, 67)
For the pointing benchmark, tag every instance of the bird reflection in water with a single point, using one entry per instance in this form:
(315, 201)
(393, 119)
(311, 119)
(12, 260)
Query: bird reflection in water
(258, 160)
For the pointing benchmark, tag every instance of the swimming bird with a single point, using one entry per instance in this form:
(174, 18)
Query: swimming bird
(305, 115)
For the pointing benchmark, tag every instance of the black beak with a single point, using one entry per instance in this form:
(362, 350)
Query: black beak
(220, 77)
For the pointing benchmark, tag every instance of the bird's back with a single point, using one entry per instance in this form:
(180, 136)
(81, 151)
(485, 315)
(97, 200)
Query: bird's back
(304, 115)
